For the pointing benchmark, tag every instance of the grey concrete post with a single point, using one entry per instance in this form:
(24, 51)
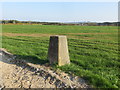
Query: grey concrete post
(58, 50)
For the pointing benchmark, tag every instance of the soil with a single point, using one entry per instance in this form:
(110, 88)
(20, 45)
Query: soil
(17, 73)
(47, 35)
(24, 34)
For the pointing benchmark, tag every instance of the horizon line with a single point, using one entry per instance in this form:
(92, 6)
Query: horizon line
(62, 21)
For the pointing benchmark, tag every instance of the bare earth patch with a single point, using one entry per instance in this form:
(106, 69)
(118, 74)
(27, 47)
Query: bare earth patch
(15, 73)
(88, 33)
(69, 35)
(24, 34)
(47, 35)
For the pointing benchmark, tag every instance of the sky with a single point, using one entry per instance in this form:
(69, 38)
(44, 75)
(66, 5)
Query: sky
(61, 11)
(59, 0)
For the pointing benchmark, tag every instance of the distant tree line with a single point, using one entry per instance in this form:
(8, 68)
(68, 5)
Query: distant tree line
(9, 21)
(58, 23)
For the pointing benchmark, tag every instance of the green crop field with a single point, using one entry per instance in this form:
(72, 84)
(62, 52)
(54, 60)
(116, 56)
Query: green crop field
(93, 49)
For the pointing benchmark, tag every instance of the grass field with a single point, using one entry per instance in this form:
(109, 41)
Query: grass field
(93, 49)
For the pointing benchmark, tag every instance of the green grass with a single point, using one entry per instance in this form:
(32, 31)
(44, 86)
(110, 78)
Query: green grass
(95, 60)
(57, 29)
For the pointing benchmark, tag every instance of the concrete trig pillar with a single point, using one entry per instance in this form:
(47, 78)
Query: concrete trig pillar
(58, 50)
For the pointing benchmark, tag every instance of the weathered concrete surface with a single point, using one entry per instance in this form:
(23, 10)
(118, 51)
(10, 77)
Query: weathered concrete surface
(58, 50)
(53, 49)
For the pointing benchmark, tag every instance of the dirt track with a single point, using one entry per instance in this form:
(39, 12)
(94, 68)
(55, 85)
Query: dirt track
(44, 35)
(16, 73)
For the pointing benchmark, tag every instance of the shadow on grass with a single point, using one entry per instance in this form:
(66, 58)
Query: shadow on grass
(32, 59)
